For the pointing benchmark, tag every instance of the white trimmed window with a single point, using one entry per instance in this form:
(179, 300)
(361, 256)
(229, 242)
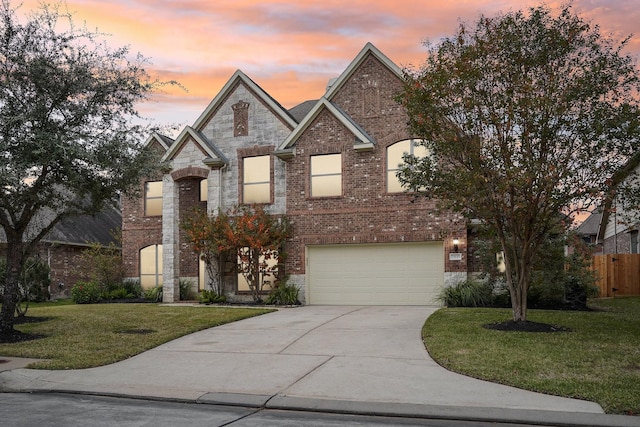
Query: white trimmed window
(326, 175)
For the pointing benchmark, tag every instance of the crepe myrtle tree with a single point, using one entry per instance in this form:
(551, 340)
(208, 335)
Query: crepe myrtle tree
(68, 141)
(257, 239)
(207, 236)
(526, 116)
(249, 234)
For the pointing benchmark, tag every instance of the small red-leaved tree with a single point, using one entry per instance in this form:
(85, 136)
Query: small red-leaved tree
(207, 236)
(257, 239)
(252, 235)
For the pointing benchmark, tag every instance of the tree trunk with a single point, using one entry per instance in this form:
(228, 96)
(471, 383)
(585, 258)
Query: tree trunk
(519, 302)
(255, 266)
(517, 276)
(11, 283)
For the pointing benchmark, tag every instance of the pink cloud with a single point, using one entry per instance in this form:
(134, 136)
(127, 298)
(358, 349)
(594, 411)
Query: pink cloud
(292, 48)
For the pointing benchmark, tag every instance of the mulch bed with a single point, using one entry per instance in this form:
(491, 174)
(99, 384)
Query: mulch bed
(11, 337)
(511, 326)
(14, 336)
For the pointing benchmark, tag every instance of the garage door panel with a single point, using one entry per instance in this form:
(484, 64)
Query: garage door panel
(395, 274)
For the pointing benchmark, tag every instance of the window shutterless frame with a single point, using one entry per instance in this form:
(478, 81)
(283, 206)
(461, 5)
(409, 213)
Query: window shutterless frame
(326, 175)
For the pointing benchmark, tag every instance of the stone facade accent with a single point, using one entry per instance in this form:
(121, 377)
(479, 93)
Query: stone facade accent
(243, 121)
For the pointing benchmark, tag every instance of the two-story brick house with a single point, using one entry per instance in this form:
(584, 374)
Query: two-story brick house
(330, 166)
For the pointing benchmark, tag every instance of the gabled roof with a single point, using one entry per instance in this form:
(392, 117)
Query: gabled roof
(227, 89)
(363, 141)
(301, 110)
(213, 156)
(368, 49)
(164, 141)
(591, 225)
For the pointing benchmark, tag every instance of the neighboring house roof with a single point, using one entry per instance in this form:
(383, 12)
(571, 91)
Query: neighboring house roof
(84, 230)
(591, 225)
(164, 141)
(240, 77)
(301, 110)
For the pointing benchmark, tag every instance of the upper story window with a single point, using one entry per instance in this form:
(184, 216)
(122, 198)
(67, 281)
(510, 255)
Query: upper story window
(256, 179)
(326, 175)
(395, 152)
(153, 198)
(204, 190)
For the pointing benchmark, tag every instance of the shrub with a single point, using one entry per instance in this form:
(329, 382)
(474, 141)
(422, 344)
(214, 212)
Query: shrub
(469, 293)
(86, 293)
(283, 294)
(118, 293)
(133, 288)
(187, 292)
(103, 264)
(153, 294)
(211, 297)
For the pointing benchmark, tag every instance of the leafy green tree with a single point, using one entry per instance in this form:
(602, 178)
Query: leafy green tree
(525, 115)
(70, 134)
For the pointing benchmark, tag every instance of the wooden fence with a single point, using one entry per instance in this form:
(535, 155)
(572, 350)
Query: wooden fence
(617, 274)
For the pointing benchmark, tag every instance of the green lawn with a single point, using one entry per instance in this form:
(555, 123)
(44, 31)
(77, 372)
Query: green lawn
(83, 336)
(599, 360)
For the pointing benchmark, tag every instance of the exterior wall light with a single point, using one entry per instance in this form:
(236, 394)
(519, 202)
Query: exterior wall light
(456, 242)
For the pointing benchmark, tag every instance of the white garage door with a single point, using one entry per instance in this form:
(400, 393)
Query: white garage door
(378, 274)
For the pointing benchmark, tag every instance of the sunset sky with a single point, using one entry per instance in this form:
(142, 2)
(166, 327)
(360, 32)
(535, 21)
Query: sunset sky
(291, 49)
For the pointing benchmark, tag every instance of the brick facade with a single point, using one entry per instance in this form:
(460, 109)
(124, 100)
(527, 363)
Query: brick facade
(360, 106)
(65, 268)
(139, 230)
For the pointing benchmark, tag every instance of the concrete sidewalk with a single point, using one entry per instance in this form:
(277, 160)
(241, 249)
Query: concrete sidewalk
(344, 359)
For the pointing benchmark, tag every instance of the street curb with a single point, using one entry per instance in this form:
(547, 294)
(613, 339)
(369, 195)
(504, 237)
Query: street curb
(386, 409)
(442, 412)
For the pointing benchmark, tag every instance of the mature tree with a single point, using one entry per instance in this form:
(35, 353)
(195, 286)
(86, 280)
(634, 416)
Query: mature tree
(68, 143)
(526, 115)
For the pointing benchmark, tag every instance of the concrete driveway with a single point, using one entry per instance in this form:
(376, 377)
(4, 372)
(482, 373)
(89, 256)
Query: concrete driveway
(322, 357)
